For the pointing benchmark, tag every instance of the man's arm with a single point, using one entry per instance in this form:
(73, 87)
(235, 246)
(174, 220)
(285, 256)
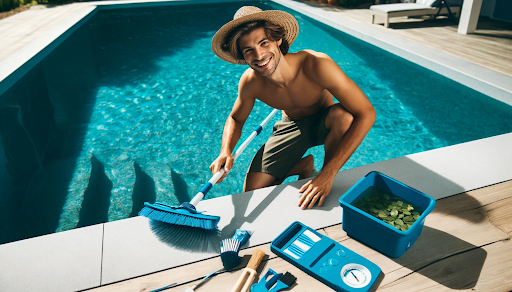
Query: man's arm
(234, 124)
(326, 73)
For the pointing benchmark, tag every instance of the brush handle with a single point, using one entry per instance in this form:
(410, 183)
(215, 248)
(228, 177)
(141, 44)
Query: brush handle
(245, 280)
(206, 188)
(279, 286)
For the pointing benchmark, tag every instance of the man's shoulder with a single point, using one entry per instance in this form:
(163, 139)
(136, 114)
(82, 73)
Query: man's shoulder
(249, 83)
(312, 62)
(309, 55)
(310, 58)
(250, 77)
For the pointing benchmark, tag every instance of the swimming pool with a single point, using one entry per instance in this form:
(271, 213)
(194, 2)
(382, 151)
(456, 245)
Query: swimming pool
(131, 106)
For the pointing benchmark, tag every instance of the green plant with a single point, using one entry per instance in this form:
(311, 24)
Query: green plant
(33, 3)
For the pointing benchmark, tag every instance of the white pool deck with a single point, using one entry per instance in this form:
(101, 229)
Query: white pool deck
(106, 253)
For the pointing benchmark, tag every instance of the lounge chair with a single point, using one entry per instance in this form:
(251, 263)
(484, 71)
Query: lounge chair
(421, 7)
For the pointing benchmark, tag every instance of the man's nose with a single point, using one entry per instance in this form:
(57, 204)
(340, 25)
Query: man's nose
(260, 53)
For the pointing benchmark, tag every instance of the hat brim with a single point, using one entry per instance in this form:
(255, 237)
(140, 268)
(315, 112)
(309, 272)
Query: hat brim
(281, 18)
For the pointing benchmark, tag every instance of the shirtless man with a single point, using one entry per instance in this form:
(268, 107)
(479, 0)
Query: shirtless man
(300, 84)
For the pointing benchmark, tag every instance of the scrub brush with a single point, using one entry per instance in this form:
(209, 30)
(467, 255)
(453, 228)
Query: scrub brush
(284, 282)
(229, 249)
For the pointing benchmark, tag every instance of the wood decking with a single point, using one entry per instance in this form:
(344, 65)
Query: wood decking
(490, 46)
(465, 245)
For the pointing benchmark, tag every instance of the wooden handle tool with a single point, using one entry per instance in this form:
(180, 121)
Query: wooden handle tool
(248, 274)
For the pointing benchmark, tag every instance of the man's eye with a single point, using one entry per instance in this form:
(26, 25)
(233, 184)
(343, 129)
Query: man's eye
(246, 51)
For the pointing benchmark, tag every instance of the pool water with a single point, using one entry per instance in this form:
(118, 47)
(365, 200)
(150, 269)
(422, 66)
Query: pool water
(138, 103)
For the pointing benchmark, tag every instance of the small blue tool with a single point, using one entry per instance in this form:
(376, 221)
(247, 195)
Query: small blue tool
(266, 282)
(284, 282)
(325, 259)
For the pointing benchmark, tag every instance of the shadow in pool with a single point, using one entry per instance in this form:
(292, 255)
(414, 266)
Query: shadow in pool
(43, 125)
(143, 190)
(96, 197)
(444, 258)
(187, 238)
(180, 187)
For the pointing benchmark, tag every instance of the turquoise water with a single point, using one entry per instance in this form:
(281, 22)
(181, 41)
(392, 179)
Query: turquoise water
(148, 99)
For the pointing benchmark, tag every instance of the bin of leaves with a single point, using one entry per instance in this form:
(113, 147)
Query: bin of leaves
(384, 213)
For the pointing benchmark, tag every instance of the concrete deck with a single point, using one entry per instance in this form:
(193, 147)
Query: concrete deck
(125, 249)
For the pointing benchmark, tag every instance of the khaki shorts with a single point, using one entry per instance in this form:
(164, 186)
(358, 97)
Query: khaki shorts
(288, 143)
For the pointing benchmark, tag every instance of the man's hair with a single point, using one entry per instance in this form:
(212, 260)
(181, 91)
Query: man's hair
(273, 32)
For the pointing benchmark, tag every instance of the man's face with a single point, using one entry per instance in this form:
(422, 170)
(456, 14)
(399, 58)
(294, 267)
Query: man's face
(260, 53)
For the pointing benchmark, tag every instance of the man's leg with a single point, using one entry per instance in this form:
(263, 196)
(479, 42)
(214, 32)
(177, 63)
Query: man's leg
(337, 121)
(303, 169)
(258, 180)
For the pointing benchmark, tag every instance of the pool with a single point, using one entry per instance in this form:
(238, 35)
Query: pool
(131, 106)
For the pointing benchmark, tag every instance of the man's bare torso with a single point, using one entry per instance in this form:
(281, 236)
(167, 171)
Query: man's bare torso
(301, 97)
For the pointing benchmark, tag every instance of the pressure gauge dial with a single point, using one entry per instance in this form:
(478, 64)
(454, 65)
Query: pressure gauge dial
(356, 275)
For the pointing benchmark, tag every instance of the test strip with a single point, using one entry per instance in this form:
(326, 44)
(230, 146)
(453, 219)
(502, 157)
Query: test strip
(302, 244)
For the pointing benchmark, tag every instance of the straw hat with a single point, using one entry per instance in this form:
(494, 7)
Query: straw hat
(248, 14)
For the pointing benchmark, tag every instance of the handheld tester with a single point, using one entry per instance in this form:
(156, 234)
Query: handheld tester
(325, 259)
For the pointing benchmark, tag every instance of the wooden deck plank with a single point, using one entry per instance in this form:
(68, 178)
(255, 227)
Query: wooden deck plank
(500, 215)
(481, 269)
(490, 46)
(465, 244)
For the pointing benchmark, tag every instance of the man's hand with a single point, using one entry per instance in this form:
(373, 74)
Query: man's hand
(315, 190)
(224, 160)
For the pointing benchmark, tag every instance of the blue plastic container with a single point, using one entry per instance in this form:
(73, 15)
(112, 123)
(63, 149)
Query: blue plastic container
(375, 233)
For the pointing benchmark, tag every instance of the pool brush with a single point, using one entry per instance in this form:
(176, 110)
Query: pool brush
(229, 249)
(186, 214)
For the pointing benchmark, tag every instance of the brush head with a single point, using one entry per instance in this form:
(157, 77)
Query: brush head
(256, 258)
(288, 279)
(230, 260)
(229, 249)
(182, 215)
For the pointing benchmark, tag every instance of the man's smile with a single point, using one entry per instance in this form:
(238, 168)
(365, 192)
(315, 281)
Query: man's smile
(264, 63)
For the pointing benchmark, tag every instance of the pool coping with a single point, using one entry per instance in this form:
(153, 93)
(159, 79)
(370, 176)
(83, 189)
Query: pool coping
(129, 248)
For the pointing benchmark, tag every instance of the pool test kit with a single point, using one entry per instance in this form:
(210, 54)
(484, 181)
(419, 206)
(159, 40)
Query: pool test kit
(325, 259)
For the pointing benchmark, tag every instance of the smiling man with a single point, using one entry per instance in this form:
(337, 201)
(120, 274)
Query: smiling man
(300, 84)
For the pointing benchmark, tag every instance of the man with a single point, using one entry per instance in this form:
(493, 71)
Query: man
(301, 85)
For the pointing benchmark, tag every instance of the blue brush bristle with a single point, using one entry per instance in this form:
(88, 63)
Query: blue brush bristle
(230, 259)
(229, 249)
(179, 216)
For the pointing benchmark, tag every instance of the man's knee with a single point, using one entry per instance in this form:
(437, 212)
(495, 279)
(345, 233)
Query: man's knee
(258, 180)
(338, 118)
